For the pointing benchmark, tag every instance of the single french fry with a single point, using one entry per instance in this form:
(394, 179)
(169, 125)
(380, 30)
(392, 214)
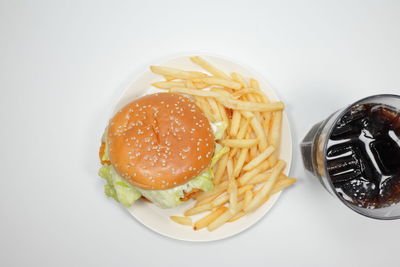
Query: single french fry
(239, 143)
(260, 203)
(209, 218)
(247, 114)
(266, 188)
(275, 134)
(248, 175)
(248, 196)
(244, 126)
(200, 85)
(224, 116)
(240, 161)
(229, 168)
(238, 215)
(259, 131)
(195, 92)
(169, 78)
(221, 166)
(233, 194)
(209, 67)
(198, 209)
(182, 220)
(246, 91)
(239, 78)
(176, 73)
(253, 152)
(260, 158)
(222, 91)
(250, 106)
(200, 105)
(205, 107)
(266, 123)
(235, 123)
(282, 184)
(189, 84)
(232, 186)
(199, 74)
(214, 107)
(243, 129)
(222, 82)
(224, 217)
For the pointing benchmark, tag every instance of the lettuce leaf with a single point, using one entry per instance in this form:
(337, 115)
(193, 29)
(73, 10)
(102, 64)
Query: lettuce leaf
(117, 187)
(218, 153)
(127, 194)
(170, 198)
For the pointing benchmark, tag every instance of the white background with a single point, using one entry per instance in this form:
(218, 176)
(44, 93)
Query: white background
(63, 65)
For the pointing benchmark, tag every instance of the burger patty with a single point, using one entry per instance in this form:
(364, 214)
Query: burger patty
(101, 154)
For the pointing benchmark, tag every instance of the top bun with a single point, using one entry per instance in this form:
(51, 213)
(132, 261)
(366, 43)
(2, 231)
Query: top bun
(160, 141)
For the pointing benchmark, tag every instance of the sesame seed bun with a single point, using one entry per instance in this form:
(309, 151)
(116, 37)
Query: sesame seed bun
(160, 141)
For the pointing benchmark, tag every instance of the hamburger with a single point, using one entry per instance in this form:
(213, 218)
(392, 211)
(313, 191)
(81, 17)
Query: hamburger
(160, 147)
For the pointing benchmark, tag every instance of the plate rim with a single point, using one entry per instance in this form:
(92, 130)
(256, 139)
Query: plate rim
(176, 56)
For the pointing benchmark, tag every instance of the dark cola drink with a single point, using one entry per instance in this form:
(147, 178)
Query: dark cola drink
(363, 156)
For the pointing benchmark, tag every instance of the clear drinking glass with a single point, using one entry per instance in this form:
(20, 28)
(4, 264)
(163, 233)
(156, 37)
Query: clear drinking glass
(314, 149)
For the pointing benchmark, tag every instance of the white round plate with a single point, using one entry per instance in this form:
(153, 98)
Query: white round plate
(157, 219)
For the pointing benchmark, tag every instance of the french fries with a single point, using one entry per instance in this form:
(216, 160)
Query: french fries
(266, 188)
(250, 172)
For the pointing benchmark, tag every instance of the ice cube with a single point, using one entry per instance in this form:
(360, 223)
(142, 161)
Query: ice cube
(343, 169)
(339, 150)
(386, 153)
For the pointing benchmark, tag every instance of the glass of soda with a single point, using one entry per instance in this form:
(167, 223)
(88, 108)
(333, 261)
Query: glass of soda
(355, 153)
